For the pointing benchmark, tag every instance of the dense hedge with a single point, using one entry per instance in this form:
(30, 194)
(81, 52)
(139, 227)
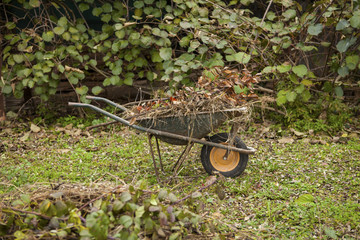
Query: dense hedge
(307, 51)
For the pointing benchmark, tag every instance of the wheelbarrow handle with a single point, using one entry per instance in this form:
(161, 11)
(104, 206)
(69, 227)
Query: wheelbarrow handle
(122, 108)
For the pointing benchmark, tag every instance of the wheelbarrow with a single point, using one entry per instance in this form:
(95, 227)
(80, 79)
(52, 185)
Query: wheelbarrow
(225, 153)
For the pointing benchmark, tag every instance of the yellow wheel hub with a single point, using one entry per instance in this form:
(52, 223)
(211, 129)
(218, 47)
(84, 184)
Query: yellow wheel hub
(224, 163)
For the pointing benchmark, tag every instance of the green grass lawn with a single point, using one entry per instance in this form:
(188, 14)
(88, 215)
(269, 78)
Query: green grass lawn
(288, 191)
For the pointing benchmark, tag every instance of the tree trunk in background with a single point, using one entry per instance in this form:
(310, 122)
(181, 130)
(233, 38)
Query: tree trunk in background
(2, 107)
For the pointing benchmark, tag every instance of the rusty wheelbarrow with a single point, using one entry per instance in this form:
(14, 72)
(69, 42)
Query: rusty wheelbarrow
(223, 152)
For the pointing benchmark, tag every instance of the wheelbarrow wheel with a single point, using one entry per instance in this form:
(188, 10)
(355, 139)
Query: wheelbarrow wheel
(214, 159)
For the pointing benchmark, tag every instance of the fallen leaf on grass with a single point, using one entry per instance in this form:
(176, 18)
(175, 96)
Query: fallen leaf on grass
(286, 140)
(25, 137)
(34, 128)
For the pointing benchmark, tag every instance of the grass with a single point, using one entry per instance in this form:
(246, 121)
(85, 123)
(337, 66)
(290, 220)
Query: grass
(290, 191)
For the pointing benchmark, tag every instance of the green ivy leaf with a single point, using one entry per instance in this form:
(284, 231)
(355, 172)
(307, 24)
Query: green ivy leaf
(342, 24)
(268, 69)
(98, 224)
(283, 68)
(355, 21)
(289, 14)
(315, 29)
(165, 53)
(62, 22)
(7, 89)
(352, 61)
(59, 30)
(291, 96)
(344, 44)
(48, 36)
(97, 90)
(18, 58)
(97, 11)
(125, 197)
(82, 90)
(239, 57)
(138, 4)
(10, 25)
(343, 71)
(34, 3)
(281, 97)
(126, 221)
(84, 6)
(300, 70)
(339, 91)
(185, 24)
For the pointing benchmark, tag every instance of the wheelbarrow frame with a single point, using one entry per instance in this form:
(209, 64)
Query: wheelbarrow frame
(158, 133)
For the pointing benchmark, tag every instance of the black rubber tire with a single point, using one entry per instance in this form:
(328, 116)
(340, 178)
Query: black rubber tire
(222, 138)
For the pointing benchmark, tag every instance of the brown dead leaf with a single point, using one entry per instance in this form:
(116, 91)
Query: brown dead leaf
(25, 137)
(286, 140)
(34, 128)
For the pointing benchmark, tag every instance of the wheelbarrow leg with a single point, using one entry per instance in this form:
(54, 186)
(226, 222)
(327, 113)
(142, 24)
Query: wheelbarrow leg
(158, 150)
(153, 157)
(182, 158)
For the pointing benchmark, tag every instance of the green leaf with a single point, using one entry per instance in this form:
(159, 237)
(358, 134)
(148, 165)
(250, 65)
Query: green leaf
(299, 89)
(240, 57)
(293, 78)
(338, 91)
(291, 96)
(61, 68)
(155, 57)
(82, 90)
(125, 197)
(352, 61)
(185, 25)
(138, 4)
(97, 11)
(165, 53)
(268, 69)
(7, 89)
(34, 3)
(342, 24)
(344, 44)
(283, 68)
(315, 29)
(355, 21)
(107, 8)
(126, 221)
(83, 7)
(306, 95)
(18, 58)
(98, 224)
(62, 22)
(10, 25)
(305, 199)
(129, 81)
(97, 90)
(343, 71)
(331, 233)
(59, 30)
(281, 97)
(194, 44)
(289, 14)
(48, 36)
(300, 70)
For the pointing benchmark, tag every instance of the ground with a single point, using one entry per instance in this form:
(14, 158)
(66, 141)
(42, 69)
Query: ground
(295, 186)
